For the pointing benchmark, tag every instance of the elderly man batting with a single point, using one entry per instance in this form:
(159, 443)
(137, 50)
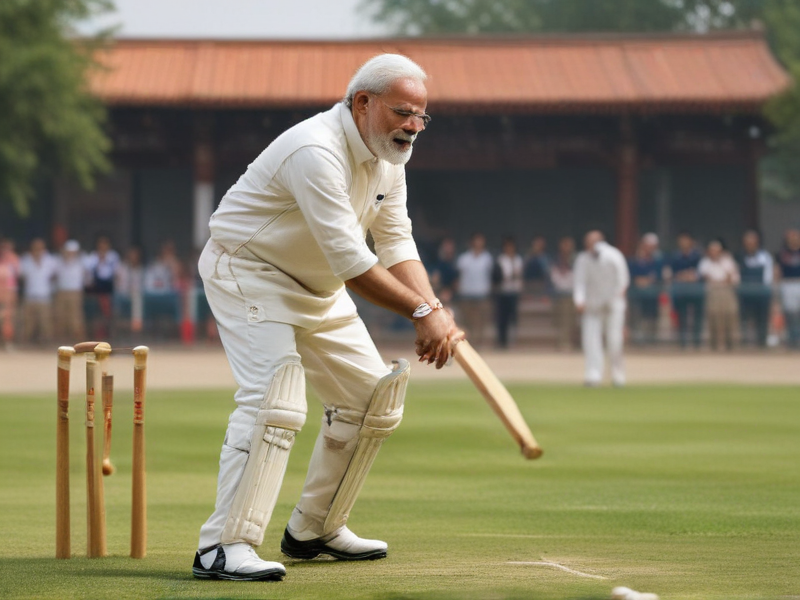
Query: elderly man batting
(286, 240)
(601, 282)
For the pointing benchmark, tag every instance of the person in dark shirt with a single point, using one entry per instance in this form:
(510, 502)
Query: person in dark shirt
(788, 267)
(537, 267)
(687, 290)
(755, 290)
(443, 272)
(645, 268)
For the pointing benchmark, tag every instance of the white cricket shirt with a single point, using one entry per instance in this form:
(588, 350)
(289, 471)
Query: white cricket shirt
(295, 223)
(601, 277)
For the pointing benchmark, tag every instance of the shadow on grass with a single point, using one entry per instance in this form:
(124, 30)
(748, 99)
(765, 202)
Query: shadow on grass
(82, 567)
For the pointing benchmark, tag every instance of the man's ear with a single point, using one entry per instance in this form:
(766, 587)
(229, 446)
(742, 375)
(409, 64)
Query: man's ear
(360, 102)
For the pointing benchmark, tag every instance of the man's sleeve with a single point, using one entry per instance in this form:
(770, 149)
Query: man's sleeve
(702, 267)
(317, 180)
(391, 228)
(769, 271)
(579, 291)
(624, 274)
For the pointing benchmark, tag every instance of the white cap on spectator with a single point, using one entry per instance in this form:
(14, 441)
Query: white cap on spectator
(72, 246)
(650, 238)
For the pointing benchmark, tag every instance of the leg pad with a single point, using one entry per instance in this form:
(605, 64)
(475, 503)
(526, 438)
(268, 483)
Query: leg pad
(280, 417)
(383, 416)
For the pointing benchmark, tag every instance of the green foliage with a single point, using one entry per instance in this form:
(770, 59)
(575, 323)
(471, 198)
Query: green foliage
(49, 122)
(781, 170)
(415, 17)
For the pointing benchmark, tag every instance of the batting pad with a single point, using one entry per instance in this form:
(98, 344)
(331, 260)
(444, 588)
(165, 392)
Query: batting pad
(280, 417)
(383, 416)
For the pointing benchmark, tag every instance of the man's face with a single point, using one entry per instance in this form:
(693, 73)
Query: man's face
(793, 239)
(478, 244)
(448, 249)
(591, 239)
(37, 247)
(685, 243)
(714, 250)
(750, 242)
(389, 135)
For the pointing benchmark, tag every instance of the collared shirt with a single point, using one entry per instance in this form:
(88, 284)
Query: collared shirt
(295, 223)
(645, 267)
(722, 270)
(38, 276)
(475, 274)
(512, 268)
(562, 278)
(70, 275)
(789, 263)
(683, 262)
(102, 268)
(601, 277)
(756, 267)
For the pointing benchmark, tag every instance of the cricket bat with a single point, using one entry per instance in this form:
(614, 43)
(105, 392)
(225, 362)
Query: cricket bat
(498, 398)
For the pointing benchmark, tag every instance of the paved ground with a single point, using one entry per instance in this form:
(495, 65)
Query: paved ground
(173, 368)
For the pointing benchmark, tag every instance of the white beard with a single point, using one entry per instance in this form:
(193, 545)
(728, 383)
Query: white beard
(384, 148)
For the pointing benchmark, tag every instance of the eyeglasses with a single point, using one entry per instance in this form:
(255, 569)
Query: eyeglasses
(425, 118)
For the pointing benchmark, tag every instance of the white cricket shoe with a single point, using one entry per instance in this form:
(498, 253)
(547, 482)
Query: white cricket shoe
(342, 544)
(237, 562)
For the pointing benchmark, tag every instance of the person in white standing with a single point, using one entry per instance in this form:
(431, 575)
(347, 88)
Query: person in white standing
(70, 281)
(475, 287)
(286, 240)
(38, 270)
(601, 281)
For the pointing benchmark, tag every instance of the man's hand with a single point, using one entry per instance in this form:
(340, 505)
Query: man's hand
(580, 308)
(437, 335)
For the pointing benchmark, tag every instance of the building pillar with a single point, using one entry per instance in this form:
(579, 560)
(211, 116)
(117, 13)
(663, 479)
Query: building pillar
(752, 200)
(627, 217)
(204, 169)
(664, 205)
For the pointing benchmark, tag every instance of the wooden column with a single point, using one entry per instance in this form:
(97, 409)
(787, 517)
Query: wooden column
(627, 217)
(204, 168)
(752, 200)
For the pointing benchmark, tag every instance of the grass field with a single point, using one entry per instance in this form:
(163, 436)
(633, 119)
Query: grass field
(690, 492)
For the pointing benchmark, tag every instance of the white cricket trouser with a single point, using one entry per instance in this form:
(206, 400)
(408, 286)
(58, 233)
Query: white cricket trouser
(341, 363)
(609, 322)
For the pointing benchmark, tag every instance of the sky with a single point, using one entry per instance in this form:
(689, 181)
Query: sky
(225, 19)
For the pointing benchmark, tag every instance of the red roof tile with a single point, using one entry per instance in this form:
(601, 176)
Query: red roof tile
(710, 72)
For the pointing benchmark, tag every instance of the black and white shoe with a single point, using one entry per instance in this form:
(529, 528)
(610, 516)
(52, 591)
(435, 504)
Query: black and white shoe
(342, 544)
(237, 562)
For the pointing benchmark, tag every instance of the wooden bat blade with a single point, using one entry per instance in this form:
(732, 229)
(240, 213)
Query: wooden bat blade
(498, 398)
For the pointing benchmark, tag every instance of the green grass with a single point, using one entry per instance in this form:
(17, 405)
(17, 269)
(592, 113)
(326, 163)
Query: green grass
(690, 492)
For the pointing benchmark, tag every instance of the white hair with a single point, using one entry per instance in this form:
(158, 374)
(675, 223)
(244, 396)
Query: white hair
(379, 73)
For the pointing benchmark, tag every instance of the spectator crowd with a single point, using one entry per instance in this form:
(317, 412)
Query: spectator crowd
(71, 295)
(694, 295)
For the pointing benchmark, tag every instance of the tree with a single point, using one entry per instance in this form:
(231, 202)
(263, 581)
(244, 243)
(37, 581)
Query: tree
(429, 17)
(50, 124)
(780, 169)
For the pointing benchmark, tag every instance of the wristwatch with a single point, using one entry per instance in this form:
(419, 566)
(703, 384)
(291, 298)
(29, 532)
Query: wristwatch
(424, 309)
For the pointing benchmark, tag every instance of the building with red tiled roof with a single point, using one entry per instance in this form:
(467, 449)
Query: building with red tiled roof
(535, 135)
